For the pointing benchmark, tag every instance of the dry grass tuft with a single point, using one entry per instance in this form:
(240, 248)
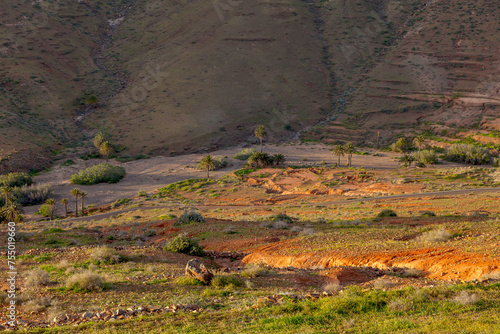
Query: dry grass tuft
(466, 298)
(106, 255)
(85, 281)
(36, 278)
(440, 235)
(332, 288)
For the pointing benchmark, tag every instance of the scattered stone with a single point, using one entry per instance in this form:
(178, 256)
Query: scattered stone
(196, 269)
(87, 315)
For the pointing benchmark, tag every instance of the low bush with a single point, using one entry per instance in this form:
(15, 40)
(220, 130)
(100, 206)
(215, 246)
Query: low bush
(85, 281)
(15, 180)
(106, 255)
(427, 213)
(387, 213)
(467, 153)
(282, 217)
(244, 154)
(45, 210)
(466, 298)
(186, 280)
(190, 217)
(428, 157)
(255, 271)
(280, 225)
(183, 244)
(30, 195)
(222, 281)
(36, 278)
(102, 173)
(439, 235)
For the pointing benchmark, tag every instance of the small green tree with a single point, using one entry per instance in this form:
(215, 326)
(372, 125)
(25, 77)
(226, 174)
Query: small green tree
(401, 145)
(75, 192)
(106, 149)
(92, 100)
(260, 132)
(339, 152)
(418, 141)
(260, 159)
(349, 150)
(100, 138)
(64, 202)
(207, 163)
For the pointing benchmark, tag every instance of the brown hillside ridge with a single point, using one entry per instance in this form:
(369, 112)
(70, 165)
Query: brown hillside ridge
(175, 77)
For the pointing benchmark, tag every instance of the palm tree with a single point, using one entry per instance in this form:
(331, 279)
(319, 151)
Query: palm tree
(64, 201)
(338, 151)
(260, 158)
(11, 210)
(278, 158)
(76, 193)
(260, 132)
(6, 191)
(418, 141)
(106, 149)
(83, 194)
(349, 150)
(207, 163)
(52, 206)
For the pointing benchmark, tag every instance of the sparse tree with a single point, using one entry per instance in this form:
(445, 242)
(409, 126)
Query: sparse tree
(338, 151)
(83, 194)
(207, 163)
(64, 202)
(51, 204)
(418, 141)
(106, 149)
(278, 158)
(260, 132)
(401, 145)
(349, 150)
(6, 191)
(76, 193)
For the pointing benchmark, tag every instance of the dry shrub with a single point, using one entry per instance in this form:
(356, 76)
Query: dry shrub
(106, 255)
(399, 305)
(36, 278)
(280, 225)
(466, 298)
(412, 272)
(382, 283)
(63, 265)
(37, 305)
(332, 288)
(495, 275)
(255, 271)
(85, 281)
(308, 232)
(440, 235)
(296, 229)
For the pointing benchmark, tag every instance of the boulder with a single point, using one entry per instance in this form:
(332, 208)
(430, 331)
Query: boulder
(196, 269)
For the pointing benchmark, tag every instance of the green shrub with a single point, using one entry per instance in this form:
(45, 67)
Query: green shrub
(221, 281)
(428, 157)
(102, 173)
(427, 213)
(183, 244)
(387, 213)
(281, 217)
(467, 153)
(189, 217)
(245, 154)
(186, 280)
(15, 180)
(45, 210)
(32, 194)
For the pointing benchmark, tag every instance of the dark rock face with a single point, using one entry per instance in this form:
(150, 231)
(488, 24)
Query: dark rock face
(196, 269)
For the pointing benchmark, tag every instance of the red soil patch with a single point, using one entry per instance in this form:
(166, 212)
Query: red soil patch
(438, 263)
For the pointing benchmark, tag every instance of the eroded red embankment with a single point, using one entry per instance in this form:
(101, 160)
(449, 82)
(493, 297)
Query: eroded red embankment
(438, 263)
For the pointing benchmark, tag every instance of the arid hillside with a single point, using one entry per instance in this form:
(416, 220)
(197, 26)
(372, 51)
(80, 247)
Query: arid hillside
(167, 77)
